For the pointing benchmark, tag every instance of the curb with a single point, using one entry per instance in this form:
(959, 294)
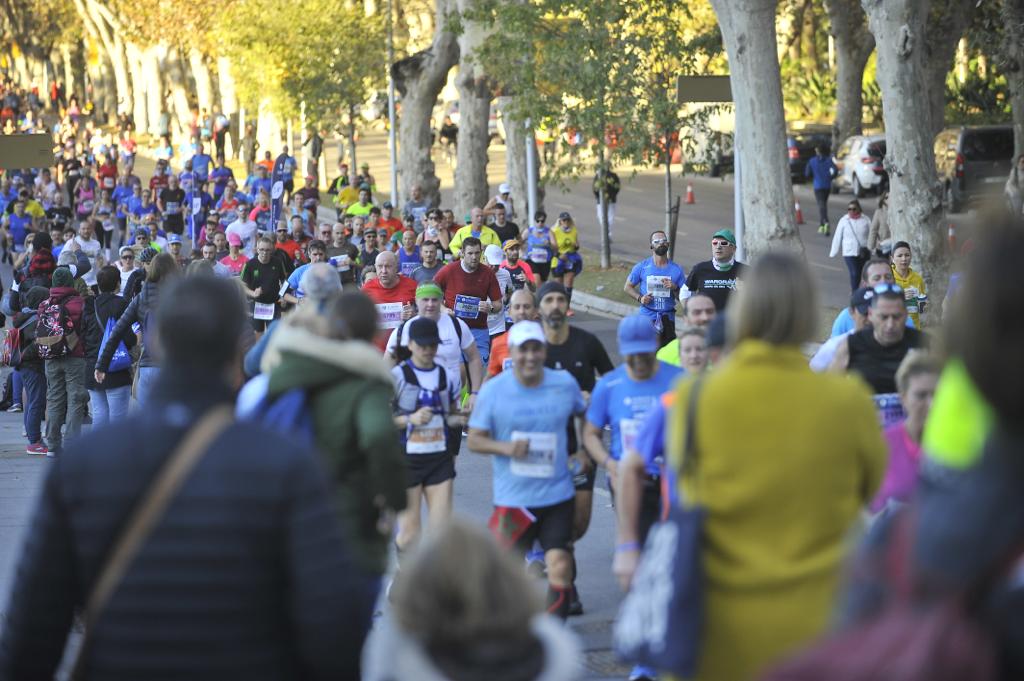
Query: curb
(588, 302)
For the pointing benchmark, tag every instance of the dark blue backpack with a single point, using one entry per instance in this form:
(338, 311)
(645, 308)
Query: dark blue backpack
(289, 414)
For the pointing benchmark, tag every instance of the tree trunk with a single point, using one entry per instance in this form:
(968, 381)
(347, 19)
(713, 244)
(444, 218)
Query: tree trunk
(351, 138)
(854, 45)
(946, 23)
(177, 86)
(111, 41)
(1012, 49)
(154, 89)
(201, 76)
(226, 85)
(915, 197)
(471, 188)
(748, 31)
(67, 62)
(516, 138)
(140, 87)
(419, 79)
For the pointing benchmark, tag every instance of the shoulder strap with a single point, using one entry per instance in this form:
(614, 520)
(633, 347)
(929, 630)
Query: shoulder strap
(409, 374)
(458, 327)
(147, 514)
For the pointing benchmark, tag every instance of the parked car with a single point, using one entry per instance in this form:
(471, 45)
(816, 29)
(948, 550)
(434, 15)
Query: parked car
(801, 145)
(859, 161)
(973, 162)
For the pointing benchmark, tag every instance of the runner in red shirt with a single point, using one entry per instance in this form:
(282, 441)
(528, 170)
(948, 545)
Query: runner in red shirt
(394, 295)
(387, 219)
(471, 292)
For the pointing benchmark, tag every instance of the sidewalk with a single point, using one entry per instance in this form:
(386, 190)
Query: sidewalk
(21, 477)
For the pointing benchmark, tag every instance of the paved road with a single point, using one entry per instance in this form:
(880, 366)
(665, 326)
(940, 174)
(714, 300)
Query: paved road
(21, 477)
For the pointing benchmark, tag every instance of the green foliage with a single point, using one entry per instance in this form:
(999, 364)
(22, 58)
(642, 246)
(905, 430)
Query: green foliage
(977, 100)
(604, 68)
(318, 51)
(808, 95)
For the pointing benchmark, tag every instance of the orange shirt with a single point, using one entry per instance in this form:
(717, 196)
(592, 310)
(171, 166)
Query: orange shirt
(391, 224)
(499, 355)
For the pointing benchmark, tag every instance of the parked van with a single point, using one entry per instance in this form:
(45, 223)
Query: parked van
(973, 163)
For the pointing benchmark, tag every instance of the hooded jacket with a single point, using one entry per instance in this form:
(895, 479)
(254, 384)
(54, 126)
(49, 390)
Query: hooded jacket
(393, 655)
(94, 320)
(29, 352)
(69, 298)
(349, 389)
(139, 311)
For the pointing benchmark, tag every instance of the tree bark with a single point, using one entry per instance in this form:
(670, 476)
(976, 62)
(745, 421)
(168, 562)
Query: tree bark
(1012, 48)
(748, 31)
(915, 197)
(516, 139)
(854, 45)
(151, 74)
(177, 87)
(140, 87)
(419, 78)
(226, 85)
(946, 23)
(201, 76)
(111, 41)
(471, 188)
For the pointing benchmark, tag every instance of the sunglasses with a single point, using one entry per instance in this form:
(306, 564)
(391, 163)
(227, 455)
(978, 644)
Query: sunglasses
(720, 243)
(888, 288)
(659, 242)
(127, 257)
(853, 208)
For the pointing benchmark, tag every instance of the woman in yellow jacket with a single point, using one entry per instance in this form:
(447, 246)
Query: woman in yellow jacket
(910, 281)
(567, 263)
(786, 460)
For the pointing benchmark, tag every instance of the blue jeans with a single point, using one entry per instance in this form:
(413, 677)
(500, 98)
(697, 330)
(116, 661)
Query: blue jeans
(16, 386)
(35, 403)
(483, 343)
(144, 384)
(853, 266)
(109, 406)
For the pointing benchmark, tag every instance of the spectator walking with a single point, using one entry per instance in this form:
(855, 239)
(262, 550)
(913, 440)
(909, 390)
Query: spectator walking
(822, 169)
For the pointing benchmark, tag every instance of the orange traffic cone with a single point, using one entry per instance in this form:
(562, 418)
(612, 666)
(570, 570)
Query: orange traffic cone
(952, 238)
(689, 193)
(799, 214)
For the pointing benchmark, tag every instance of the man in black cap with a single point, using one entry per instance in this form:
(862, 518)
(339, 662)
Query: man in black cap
(581, 354)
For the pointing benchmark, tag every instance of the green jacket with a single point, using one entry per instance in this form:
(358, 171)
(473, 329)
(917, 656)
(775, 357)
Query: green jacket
(350, 391)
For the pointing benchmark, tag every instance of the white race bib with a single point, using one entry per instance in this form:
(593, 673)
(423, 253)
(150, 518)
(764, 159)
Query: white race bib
(467, 307)
(389, 315)
(197, 205)
(540, 459)
(628, 431)
(538, 255)
(342, 263)
(263, 311)
(428, 439)
(659, 286)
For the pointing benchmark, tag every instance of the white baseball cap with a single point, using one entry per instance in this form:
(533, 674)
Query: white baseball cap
(504, 188)
(525, 331)
(494, 255)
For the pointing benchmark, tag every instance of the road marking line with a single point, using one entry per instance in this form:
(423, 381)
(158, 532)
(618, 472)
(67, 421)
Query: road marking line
(826, 267)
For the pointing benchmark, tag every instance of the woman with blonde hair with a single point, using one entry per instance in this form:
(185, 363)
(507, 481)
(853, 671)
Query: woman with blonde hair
(693, 349)
(783, 462)
(463, 610)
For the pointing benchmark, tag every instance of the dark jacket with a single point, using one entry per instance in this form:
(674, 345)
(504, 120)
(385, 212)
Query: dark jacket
(68, 297)
(27, 318)
(967, 522)
(246, 577)
(27, 281)
(97, 311)
(138, 310)
(349, 387)
(134, 285)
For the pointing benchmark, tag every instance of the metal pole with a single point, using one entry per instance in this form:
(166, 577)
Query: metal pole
(531, 173)
(392, 147)
(738, 196)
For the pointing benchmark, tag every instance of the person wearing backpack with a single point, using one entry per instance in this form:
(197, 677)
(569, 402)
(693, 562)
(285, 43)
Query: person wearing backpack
(108, 402)
(348, 392)
(426, 402)
(59, 342)
(32, 370)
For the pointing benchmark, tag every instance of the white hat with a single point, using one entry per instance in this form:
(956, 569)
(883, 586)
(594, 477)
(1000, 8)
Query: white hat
(525, 331)
(504, 188)
(494, 255)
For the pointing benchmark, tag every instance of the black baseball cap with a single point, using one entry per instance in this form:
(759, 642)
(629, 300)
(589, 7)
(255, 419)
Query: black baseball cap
(860, 299)
(424, 331)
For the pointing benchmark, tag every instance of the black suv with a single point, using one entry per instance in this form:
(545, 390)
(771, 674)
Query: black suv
(801, 146)
(973, 163)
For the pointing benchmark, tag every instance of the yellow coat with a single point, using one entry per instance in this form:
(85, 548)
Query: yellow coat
(787, 459)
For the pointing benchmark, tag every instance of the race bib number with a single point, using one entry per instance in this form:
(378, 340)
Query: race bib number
(171, 207)
(87, 206)
(342, 263)
(467, 307)
(540, 459)
(629, 429)
(408, 267)
(889, 407)
(389, 315)
(506, 364)
(428, 439)
(263, 311)
(108, 183)
(538, 255)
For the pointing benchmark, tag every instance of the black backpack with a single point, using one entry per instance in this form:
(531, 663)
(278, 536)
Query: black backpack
(403, 353)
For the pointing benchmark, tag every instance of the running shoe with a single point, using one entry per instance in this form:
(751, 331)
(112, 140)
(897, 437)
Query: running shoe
(15, 408)
(38, 449)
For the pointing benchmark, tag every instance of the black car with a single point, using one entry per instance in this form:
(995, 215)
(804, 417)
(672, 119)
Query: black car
(801, 146)
(973, 163)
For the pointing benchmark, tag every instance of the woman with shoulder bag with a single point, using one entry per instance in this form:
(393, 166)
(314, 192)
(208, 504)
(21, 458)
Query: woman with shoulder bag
(851, 238)
(108, 401)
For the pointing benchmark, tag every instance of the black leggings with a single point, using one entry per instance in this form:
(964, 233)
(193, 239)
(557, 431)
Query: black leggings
(103, 235)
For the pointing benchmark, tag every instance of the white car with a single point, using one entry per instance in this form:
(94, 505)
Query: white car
(859, 161)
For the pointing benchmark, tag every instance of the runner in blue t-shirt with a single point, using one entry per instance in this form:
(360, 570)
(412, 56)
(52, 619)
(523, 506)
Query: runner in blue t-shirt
(201, 165)
(655, 283)
(519, 417)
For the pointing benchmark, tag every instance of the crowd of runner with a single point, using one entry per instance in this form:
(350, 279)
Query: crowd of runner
(387, 337)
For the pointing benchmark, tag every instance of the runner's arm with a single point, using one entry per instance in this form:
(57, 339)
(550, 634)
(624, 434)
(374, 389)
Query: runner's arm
(481, 442)
(841, 361)
(629, 490)
(475, 367)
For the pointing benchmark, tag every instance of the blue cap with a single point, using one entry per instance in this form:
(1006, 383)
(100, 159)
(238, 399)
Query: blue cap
(142, 231)
(637, 335)
(173, 238)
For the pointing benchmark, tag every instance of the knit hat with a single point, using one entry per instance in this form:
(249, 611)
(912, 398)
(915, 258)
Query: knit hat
(62, 277)
(551, 287)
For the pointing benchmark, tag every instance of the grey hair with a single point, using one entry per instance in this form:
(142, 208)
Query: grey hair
(319, 282)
